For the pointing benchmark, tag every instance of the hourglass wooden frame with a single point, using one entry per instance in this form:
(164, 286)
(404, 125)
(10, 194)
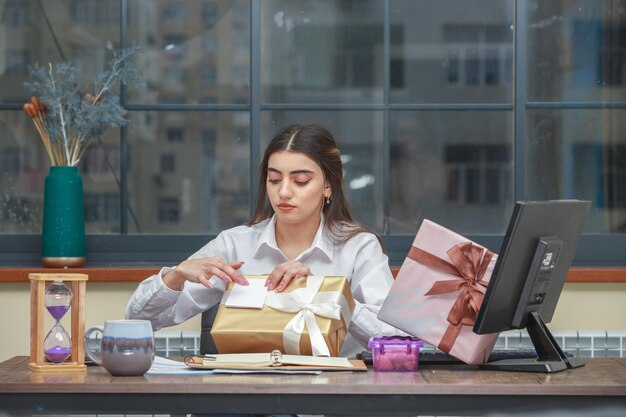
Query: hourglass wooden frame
(38, 312)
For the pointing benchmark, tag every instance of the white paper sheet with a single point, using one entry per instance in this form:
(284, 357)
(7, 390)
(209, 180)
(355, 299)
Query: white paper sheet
(248, 296)
(172, 367)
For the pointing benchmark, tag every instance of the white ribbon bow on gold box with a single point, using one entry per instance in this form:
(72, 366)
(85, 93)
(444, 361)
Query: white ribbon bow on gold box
(307, 303)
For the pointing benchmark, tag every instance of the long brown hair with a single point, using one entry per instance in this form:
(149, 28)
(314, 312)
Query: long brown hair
(317, 143)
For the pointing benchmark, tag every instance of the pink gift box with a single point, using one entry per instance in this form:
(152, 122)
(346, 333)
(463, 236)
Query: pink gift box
(438, 293)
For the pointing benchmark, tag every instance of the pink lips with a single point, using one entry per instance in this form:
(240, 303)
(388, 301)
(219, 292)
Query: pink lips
(286, 207)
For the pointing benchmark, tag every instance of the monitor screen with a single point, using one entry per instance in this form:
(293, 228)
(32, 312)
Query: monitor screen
(528, 277)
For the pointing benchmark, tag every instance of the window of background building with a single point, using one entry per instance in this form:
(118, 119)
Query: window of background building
(478, 54)
(210, 13)
(613, 55)
(241, 43)
(16, 62)
(169, 210)
(209, 76)
(478, 174)
(209, 43)
(240, 15)
(102, 208)
(92, 12)
(241, 75)
(175, 135)
(168, 163)
(616, 180)
(15, 14)
(12, 160)
(175, 11)
(175, 77)
(422, 94)
(100, 160)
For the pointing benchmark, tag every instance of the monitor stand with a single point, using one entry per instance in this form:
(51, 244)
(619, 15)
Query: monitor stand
(550, 356)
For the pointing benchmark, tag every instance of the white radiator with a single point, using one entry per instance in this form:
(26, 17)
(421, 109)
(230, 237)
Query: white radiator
(580, 343)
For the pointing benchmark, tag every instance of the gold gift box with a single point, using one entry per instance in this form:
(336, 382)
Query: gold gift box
(247, 330)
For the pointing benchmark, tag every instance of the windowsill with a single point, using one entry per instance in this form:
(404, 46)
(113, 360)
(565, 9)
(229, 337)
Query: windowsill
(96, 274)
(137, 274)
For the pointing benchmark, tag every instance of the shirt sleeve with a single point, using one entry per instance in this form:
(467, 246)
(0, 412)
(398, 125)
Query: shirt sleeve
(155, 301)
(370, 284)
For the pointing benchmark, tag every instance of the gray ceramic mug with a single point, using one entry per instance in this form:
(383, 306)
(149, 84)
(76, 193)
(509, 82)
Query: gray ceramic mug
(127, 347)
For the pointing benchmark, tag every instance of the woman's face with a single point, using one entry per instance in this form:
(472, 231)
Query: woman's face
(295, 187)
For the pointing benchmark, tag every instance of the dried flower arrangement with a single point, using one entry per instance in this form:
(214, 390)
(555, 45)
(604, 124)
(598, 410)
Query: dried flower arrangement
(66, 117)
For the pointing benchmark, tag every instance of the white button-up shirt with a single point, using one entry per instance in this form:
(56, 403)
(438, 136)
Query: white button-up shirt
(360, 259)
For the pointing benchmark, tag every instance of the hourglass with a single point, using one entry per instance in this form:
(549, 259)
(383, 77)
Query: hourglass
(57, 346)
(54, 295)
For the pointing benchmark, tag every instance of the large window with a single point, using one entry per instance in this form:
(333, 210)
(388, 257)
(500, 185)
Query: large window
(444, 109)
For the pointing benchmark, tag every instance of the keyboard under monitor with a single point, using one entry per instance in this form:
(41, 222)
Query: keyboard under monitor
(441, 358)
(436, 357)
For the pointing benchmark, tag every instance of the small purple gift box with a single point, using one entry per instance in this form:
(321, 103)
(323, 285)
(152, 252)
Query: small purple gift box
(395, 353)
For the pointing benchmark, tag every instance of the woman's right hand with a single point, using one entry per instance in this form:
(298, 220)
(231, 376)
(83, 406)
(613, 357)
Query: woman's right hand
(201, 270)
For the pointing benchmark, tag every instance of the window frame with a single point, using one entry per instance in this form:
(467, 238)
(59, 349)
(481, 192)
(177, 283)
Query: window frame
(605, 249)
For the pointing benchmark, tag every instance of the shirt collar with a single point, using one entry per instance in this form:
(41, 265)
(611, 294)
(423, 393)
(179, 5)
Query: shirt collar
(322, 242)
(268, 235)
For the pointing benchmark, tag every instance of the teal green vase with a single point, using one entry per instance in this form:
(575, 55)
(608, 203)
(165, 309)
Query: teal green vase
(63, 230)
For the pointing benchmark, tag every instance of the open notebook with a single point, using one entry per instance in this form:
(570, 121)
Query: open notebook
(274, 360)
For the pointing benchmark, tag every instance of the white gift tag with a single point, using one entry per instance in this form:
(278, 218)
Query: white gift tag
(250, 296)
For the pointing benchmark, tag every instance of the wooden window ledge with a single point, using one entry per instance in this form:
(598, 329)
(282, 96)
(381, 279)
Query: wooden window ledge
(137, 274)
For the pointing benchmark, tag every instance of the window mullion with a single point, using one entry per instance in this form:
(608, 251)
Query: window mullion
(255, 99)
(519, 100)
(124, 157)
(386, 139)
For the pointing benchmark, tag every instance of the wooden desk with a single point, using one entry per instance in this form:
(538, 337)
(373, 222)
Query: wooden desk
(434, 390)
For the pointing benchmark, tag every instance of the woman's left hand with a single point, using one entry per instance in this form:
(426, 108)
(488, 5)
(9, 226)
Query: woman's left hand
(284, 273)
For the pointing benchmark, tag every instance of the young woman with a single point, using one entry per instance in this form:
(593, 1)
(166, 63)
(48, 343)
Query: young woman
(301, 227)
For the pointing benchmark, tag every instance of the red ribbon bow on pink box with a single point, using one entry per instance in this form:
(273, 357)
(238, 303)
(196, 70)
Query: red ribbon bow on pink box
(469, 263)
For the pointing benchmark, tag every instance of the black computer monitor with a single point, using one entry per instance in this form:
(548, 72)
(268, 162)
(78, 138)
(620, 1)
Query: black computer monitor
(528, 277)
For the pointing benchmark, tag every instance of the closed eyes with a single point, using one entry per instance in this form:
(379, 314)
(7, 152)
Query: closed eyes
(298, 183)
